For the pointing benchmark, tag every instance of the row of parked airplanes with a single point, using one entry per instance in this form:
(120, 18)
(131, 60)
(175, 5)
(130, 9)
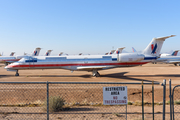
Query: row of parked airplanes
(91, 63)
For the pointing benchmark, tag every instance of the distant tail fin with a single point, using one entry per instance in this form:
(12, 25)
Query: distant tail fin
(134, 50)
(36, 52)
(111, 52)
(60, 53)
(155, 46)
(119, 50)
(12, 54)
(175, 53)
(48, 53)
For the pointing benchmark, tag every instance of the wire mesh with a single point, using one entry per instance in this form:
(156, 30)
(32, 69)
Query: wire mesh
(82, 101)
(176, 100)
(22, 101)
(85, 101)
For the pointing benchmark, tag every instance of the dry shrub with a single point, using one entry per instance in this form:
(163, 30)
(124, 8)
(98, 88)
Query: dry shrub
(55, 103)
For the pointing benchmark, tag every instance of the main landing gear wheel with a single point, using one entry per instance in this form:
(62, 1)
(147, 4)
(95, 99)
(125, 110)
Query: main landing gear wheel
(17, 74)
(95, 73)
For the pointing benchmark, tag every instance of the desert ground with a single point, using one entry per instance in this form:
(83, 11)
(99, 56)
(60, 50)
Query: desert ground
(13, 94)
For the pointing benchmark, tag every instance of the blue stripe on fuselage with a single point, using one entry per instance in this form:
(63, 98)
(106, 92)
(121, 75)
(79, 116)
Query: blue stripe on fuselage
(150, 58)
(114, 59)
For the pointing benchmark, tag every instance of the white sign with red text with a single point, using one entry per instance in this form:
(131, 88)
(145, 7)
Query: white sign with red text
(115, 95)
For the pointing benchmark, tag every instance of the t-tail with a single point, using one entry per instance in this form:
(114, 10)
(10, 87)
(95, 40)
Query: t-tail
(12, 54)
(111, 52)
(60, 53)
(36, 52)
(175, 53)
(155, 46)
(48, 53)
(119, 50)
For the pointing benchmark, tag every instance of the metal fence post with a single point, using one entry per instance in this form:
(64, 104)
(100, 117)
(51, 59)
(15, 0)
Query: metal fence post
(170, 97)
(47, 100)
(126, 111)
(153, 98)
(142, 102)
(164, 97)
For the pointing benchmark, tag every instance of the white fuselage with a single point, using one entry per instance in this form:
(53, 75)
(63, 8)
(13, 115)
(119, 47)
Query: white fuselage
(83, 63)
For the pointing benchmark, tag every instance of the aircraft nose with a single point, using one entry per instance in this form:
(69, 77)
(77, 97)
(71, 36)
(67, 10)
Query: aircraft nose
(8, 66)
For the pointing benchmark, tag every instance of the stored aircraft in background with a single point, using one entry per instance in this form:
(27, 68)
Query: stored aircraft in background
(117, 51)
(12, 54)
(169, 60)
(90, 63)
(10, 59)
(48, 53)
(174, 53)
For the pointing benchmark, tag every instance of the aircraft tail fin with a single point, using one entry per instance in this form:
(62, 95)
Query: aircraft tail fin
(119, 50)
(60, 53)
(48, 53)
(12, 54)
(134, 50)
(155, 46)
(111, 52)
(175, 53)
(36, 52)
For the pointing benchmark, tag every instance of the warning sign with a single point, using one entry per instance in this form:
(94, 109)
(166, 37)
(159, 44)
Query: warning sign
(115, 95)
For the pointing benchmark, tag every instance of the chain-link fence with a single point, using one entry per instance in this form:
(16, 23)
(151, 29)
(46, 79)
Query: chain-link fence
(20, 101)
(176, 103)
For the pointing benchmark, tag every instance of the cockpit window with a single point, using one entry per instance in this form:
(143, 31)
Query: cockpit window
(28, 59)
(22, 60)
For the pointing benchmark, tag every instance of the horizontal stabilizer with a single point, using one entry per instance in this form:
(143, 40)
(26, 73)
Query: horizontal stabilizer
(163, 38)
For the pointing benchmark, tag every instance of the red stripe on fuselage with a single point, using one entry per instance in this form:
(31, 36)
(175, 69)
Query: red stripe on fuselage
(85, 64)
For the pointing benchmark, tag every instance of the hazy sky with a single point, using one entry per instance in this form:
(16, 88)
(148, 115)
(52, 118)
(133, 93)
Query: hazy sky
(87, 26)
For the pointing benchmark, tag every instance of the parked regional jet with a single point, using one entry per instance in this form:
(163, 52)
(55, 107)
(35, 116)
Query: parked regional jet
(169, 60)
(173, 54)
(91, 63)
(11, 59)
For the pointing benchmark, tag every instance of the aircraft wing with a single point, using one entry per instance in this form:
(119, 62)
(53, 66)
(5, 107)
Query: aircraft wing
(90, 68)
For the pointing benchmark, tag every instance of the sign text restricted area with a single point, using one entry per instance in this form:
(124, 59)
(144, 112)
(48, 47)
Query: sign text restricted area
(115, 95)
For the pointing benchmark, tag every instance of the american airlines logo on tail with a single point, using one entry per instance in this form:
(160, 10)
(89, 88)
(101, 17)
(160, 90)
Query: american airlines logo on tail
(35, 53)
(153, 48)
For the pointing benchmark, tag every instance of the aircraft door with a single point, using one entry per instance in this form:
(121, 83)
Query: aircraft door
(31, 62)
